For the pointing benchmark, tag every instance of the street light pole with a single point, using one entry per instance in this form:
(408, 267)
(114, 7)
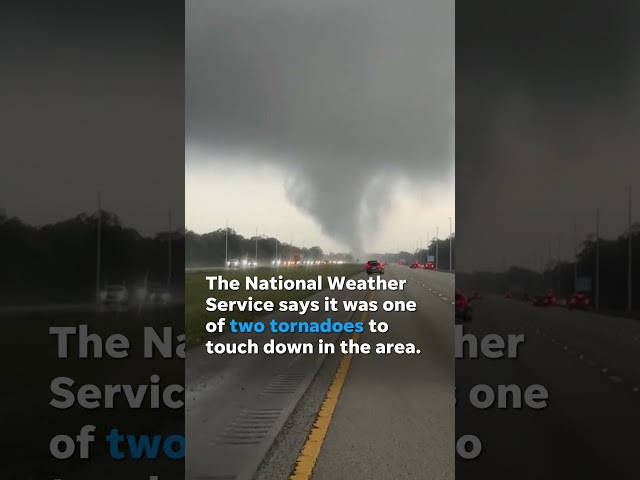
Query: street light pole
(450, 246)
(597, 282)
(559, 267)
(256, 245)
(437, 244)
(276, 247)
(226, 244)
(169, 253)
(629, 269)
(428, 245)
(98, 246)
(550, 264)
(575, 257)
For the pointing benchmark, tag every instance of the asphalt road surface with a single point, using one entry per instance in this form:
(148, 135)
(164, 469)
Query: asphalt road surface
(590, 366)
(68, 308)
(333, 416)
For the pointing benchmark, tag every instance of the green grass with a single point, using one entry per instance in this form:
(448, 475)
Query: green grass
(197, 292)
(33, 353)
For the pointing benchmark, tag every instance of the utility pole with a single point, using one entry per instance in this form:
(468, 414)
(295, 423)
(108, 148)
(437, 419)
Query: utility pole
(256, 260)
(597, 282)
(450, 246)
(276, 247)
(98, 246)
(226, 245)
(629, 269)
(169, 253)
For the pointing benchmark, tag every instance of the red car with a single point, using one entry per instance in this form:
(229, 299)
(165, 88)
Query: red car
(578, 301)
(550, 298)
(546, 300)
(463, 307)
(429, 266)
(414, 265)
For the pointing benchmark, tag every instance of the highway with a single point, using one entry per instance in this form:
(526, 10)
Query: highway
(332, 416)
(78, 308)
(589, 365)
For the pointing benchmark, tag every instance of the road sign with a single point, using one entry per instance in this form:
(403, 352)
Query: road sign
(583, 284)
(431, 258)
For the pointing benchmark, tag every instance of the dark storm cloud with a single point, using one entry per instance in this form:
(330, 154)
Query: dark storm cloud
(547, 122)
(335, 91)
(92, 98)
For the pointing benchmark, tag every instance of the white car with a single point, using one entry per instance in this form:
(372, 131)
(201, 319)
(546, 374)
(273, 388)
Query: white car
(251, 262)
(155, 294)
(233, 263)
(114, 295)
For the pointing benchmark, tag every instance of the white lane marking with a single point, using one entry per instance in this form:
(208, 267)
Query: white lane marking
(605, 370)
(635, 389)
(445, 298)
(591, 363)
(581, 357)
(615, 379)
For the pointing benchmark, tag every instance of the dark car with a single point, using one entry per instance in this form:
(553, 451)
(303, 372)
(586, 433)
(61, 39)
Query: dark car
(539, 301)
(463, 307)
(374, 266)
(545, 300)
(415, 265)
(578, 301)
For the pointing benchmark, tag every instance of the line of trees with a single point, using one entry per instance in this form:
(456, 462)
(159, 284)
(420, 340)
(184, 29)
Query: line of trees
(421, 255)
(560, 276)
(58, 262)
(209, 249)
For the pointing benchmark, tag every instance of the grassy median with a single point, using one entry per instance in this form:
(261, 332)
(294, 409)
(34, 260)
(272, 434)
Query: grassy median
(197, 292)
(29, 422)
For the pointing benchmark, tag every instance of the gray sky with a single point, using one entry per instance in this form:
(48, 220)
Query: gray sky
(92, 98)
(547, 130)
(321, 119)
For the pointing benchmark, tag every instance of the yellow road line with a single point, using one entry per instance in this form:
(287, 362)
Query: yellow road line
(311, 449)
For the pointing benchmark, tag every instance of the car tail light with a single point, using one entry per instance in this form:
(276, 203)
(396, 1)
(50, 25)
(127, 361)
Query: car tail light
(368, 265)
